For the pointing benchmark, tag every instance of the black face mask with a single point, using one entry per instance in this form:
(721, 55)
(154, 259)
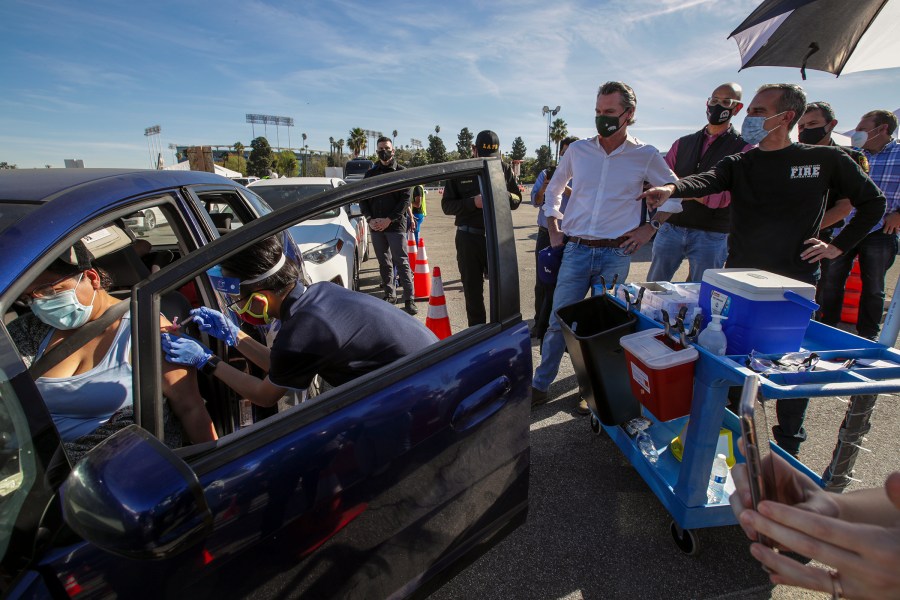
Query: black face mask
(716, 115)
(812, 135)
(385, 155)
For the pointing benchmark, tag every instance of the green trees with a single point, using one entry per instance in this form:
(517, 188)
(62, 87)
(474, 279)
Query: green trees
(236, 161)
(357, 141)
(544, 157)
(558, 132)
(518, 149)
(261, 157)
(464, 141)
(437, 152)
(286, 163)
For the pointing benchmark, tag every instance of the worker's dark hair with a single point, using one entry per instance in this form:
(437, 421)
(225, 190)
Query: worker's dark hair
(384, 138)
(827, 111)
(256, 260)
(568, 141)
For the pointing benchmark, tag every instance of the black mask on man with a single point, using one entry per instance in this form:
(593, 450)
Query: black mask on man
(385, 155)
(812, 135)
(716, 115)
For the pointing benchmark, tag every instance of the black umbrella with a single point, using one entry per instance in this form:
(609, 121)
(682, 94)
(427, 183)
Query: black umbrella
(827, 35)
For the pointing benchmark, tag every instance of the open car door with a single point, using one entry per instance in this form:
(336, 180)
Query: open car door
(374, 489)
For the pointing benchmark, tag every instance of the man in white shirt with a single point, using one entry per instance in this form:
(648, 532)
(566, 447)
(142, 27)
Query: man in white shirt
(603, 224)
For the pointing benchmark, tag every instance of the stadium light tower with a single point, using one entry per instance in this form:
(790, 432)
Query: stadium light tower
(153, 144)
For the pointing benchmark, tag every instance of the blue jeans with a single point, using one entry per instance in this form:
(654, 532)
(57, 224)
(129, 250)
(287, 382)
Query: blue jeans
(876, 252)
(703, 249)
(581, 269)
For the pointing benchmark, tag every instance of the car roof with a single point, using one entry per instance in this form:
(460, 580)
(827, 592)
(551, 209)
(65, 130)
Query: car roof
(68, 198)
(93, 185)
(333, 181)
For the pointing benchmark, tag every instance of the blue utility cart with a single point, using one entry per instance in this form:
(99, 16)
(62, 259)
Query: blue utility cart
(681, 486)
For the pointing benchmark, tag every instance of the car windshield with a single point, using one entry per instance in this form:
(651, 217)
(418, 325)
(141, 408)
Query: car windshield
(11, 213)
(279, 196)
(358, 167)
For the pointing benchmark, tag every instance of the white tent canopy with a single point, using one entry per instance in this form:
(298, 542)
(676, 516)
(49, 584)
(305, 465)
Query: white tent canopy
(220, 170)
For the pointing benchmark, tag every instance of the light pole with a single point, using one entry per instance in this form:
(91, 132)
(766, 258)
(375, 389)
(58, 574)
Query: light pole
(550, 114)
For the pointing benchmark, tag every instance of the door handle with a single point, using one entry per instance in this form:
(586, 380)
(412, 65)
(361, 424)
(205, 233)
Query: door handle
(481, 405)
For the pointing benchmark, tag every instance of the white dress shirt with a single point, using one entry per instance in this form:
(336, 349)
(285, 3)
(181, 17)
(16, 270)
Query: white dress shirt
(603, 203)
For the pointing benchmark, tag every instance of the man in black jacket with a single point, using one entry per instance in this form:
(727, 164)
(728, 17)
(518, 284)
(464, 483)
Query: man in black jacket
(700, 232)
(814, 128)
(778, 199)
(462, 198)
(387, 219)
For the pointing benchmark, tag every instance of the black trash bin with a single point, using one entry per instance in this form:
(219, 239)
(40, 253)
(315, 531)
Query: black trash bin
(592, 329)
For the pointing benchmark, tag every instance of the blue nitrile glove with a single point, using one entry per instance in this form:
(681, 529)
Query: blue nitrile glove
(185, 350)
(216, 324)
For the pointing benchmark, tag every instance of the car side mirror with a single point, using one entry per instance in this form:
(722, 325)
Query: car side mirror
(132, 496)
(355, 210)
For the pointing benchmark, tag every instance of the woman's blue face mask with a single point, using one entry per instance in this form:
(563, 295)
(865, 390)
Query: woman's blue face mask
(63, 310)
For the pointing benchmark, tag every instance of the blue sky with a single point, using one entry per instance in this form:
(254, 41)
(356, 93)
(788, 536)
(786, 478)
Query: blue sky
(83, 80)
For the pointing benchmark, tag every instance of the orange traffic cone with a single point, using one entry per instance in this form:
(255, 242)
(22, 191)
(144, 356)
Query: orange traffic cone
(438, 320)
(422, 274)
(411, 249)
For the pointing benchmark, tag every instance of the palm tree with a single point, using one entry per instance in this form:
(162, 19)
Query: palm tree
(558, 132)
(394, 135)
(331, 147)
(340, 146)
(437, 129)
(357, 141)
(239, 150)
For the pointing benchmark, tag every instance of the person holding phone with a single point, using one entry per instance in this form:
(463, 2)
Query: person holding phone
(856, 534)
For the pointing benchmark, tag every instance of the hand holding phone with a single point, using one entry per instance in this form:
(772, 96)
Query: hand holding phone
(755, 435)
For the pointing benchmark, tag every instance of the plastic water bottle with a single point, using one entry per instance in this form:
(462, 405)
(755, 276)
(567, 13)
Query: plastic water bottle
(717, 479)
(647, 447)
(713, 338)
(638, 429)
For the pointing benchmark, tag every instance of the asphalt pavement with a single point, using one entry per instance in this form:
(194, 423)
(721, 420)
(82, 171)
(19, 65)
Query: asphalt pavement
(595, 530)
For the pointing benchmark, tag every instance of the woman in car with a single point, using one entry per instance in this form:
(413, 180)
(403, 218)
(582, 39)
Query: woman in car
(89, 392)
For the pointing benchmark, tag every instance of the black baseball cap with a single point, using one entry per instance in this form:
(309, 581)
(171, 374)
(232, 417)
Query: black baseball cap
(487, 143)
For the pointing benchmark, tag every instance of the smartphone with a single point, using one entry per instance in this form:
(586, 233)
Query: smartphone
(755, 430)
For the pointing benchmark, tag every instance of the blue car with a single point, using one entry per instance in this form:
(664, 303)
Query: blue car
(379, 488)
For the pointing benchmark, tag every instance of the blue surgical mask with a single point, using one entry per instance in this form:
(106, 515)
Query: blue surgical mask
(63, 310)
(753, 130)
(859, 138)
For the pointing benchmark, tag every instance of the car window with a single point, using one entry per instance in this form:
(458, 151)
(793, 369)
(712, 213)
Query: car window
(17, 460)
(279, 196)
(226, 209)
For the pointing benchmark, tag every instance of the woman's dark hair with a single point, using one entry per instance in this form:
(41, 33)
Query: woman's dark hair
(256, 260)
(76, 260)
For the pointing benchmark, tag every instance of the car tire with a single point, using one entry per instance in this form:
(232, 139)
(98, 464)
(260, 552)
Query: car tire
(149, 220)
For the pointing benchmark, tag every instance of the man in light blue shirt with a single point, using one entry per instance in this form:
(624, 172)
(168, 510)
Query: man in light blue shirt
(543, 294)
(878, 249)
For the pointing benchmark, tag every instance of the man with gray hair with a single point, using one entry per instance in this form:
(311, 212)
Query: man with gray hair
(603, 225)
(777, 202)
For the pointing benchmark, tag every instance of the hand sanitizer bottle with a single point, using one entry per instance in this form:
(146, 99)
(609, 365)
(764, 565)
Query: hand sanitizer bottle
(713, 338)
